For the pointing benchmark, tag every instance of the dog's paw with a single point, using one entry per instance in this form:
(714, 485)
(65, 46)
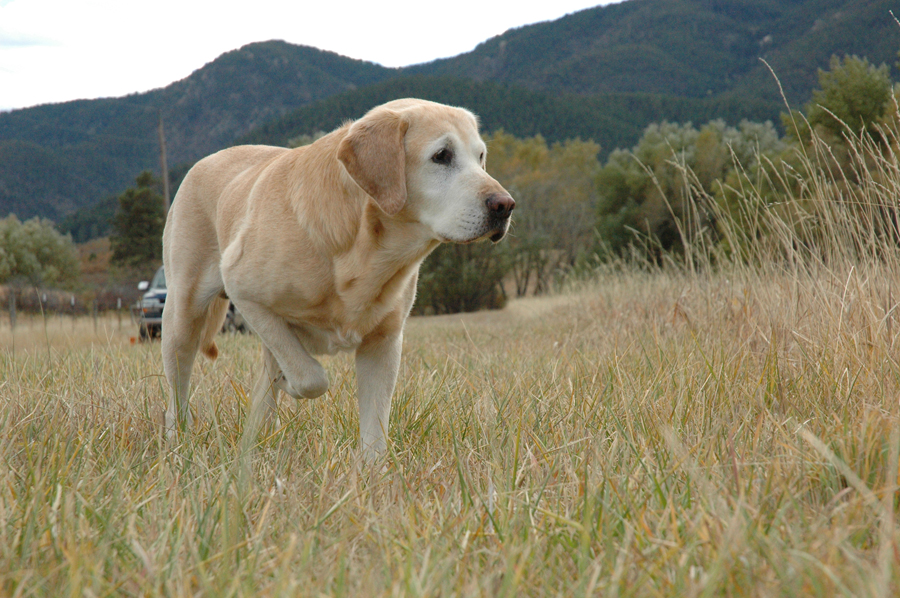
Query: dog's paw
(311, 386)
(171, 425)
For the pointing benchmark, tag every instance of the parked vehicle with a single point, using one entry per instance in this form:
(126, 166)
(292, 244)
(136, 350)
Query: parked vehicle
(149, 308)
(234, 321)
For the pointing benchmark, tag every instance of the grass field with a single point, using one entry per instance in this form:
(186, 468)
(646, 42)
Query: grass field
(726, 428)
(651, 433)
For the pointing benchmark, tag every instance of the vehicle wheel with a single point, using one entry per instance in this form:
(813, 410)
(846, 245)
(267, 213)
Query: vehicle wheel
(143, 333)
(155, 331)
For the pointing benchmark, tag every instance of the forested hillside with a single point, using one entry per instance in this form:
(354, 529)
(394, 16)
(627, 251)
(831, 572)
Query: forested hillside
(691, 48)
(612, 120)
(604, 73)
(59, 157)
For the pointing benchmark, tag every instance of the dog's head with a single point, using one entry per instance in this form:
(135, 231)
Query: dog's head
(427, 161)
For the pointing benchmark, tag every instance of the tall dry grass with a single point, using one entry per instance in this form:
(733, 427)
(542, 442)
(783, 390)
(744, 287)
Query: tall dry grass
(723, 428)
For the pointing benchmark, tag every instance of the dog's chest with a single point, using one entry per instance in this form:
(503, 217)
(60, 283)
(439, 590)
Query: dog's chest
(339, 318)
(320, 341)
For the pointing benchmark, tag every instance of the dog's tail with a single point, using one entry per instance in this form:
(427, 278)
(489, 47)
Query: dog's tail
(215, 316)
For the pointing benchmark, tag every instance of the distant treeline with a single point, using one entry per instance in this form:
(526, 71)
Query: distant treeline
(686, 192)
(611, 120)
(678, 182)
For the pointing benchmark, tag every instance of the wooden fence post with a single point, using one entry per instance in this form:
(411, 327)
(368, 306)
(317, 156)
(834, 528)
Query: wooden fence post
(12, 309)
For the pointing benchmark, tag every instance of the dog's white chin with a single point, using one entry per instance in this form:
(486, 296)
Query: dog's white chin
(495, 234)
(498, 236)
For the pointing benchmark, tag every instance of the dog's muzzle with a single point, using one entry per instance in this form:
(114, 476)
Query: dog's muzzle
(500, 206)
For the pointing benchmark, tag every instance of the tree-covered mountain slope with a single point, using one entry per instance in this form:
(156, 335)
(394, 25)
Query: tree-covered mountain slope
(690, 48)
(612, 120)
(602, 73)
(57, 157)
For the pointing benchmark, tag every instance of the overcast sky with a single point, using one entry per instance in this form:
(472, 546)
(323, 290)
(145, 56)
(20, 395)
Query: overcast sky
(58, 50)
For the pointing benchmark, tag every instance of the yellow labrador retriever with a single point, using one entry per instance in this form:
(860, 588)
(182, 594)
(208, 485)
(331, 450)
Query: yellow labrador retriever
(319, 248)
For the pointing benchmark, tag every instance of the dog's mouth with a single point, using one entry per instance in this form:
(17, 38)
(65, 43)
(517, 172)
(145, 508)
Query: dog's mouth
(495, 235)
(495, 230)
(500, 227)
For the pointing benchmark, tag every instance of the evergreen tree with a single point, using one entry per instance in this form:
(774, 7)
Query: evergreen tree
(853, 97)
(138, 225)
(90, 222)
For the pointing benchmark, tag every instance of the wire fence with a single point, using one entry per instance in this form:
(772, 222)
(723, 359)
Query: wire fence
(16, 301)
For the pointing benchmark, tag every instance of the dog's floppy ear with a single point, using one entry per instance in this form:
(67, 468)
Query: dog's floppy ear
(374, 156)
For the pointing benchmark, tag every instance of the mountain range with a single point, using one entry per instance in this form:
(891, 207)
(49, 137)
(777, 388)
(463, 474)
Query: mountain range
(602, 73)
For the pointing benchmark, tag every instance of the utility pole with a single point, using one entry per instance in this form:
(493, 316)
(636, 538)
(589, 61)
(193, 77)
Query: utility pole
(163, 164)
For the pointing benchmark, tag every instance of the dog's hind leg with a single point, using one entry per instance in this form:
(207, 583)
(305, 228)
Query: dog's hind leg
(185, 330)
(265, 390)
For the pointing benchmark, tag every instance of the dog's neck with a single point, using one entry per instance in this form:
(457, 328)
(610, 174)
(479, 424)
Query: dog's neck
(384, 260)
(376, 255)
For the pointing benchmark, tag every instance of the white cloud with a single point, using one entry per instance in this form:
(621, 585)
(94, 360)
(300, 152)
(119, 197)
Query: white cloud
(16, 39)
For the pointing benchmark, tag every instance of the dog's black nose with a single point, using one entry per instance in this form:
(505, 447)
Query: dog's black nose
(500, 205)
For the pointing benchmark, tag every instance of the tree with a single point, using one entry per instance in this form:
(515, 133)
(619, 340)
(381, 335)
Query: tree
(138, 225)
(849, 127)
(853, 97)
(647, 192)
(34, 251)
(90, 222)
(461, 278)
(555, 190)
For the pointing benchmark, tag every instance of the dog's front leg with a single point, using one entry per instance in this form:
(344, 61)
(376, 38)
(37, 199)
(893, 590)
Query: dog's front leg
(377, 364)
(304, 377)
(265, 390)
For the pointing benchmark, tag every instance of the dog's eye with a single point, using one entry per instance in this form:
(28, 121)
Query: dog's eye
(443, 157)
